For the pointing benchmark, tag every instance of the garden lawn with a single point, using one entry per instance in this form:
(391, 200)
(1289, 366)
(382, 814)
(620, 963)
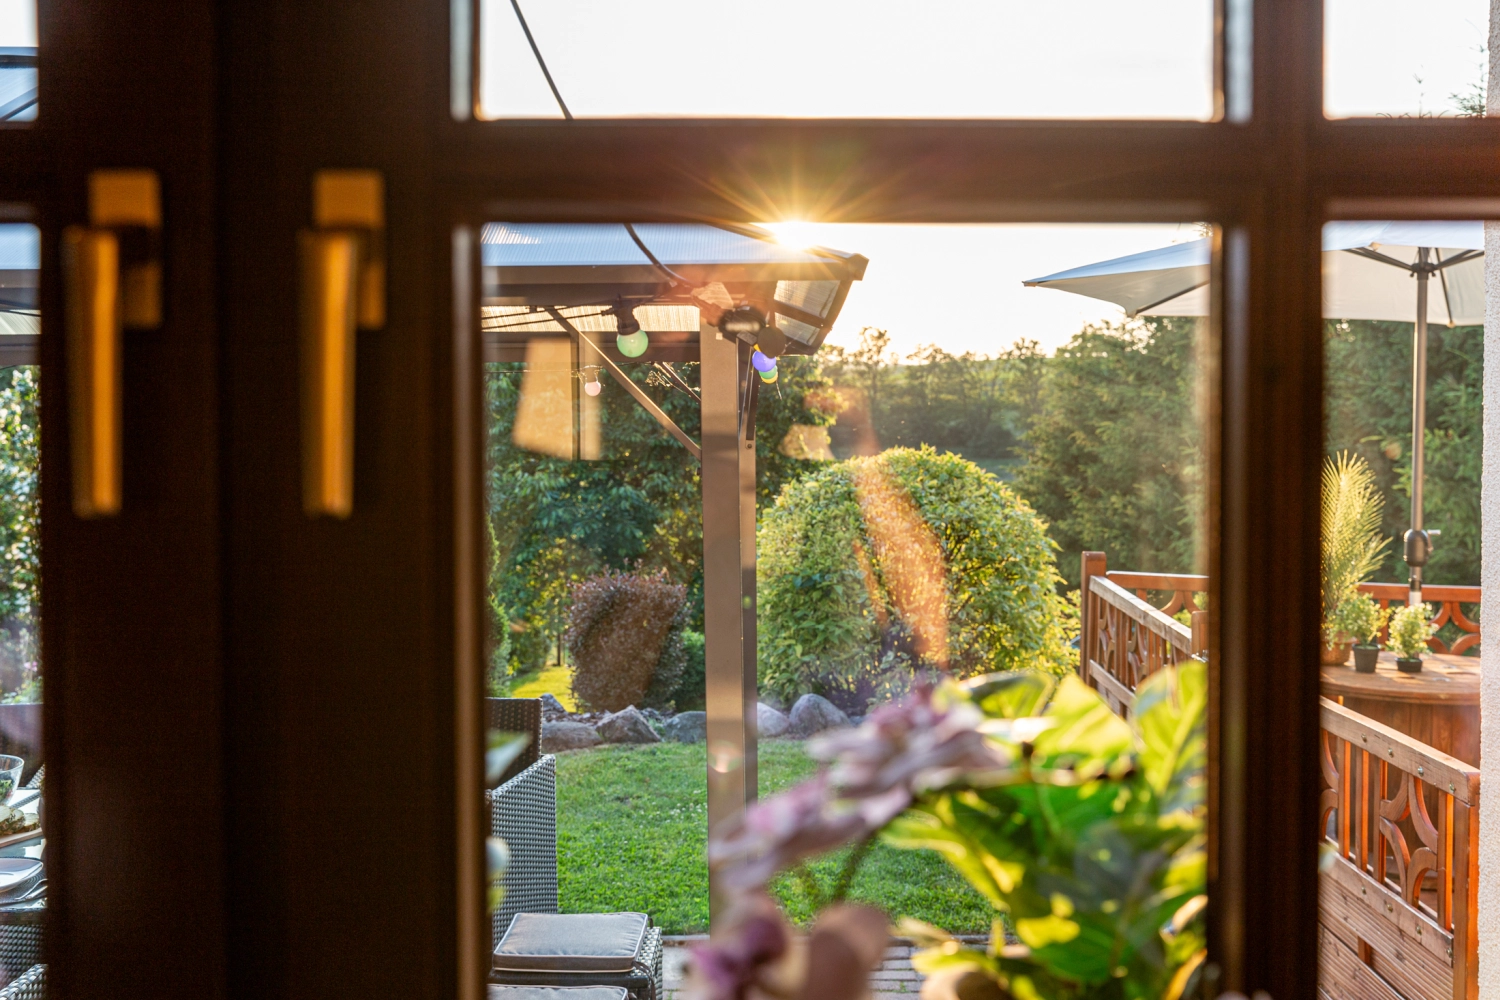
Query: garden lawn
(631, 835)
(555, 679)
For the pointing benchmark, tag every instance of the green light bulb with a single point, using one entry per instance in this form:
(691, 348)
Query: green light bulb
(633, 345)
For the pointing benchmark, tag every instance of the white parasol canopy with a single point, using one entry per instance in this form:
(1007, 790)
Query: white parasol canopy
(1371, 270)
(1362, 274)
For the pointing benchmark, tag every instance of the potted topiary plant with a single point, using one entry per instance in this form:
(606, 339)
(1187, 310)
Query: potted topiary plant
(1358, 619)
(1411, 627)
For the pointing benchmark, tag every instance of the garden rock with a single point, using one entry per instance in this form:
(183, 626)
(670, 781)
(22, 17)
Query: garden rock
(558, 736)
(813, 714)
(769, 722)
(627, 726)
(687, 727)
(551, 704)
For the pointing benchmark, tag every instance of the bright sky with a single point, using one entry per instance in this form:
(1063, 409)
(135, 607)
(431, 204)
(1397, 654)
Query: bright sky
(960, 286)
(1399, 57)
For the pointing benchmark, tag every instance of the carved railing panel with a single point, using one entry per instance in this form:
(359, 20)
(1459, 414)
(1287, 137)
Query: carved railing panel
(1402, 820)
(1125, 640)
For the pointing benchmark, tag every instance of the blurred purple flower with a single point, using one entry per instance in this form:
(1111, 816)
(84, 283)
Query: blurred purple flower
(754, 937)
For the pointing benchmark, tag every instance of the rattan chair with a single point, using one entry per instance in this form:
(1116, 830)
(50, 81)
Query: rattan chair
(523, 811)
(29, 985)
(20, 941)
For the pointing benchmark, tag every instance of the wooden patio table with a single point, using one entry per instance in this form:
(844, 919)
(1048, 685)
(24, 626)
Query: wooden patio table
(1439, 706)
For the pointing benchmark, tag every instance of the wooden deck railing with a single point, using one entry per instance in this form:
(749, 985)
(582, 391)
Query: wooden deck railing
(1125, 639)
(1398, 896)
(1451, 601)
(1398, 899)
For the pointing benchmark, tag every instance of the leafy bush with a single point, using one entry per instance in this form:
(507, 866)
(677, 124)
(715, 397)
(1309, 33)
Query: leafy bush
(1411, 627)
(624, 640)
(692, 689)
(1353, 546)
(873, 568)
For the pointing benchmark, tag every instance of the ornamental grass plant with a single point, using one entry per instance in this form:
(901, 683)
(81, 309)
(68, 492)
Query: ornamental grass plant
(1353, 546)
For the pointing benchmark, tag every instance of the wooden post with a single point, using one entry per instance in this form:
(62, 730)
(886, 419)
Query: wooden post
(1198, 621)
(1094, 564)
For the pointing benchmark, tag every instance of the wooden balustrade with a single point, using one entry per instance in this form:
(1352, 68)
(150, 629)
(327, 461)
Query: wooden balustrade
(1125, 639)
(1450, 600)
(1398, 901)
(1399, 885)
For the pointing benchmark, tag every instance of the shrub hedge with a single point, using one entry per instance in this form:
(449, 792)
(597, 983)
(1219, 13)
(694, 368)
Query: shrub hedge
(624, 640)
(874, 568)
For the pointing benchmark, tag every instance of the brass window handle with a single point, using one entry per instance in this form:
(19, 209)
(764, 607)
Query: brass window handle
(342, 264)
(112, 279)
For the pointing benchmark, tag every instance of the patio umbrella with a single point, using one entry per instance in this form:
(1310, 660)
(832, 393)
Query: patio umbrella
(1366, 267)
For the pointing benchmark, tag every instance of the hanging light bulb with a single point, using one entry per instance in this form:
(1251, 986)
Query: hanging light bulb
(762, 363)
(630, 339)
(591, 385)
(769, 377)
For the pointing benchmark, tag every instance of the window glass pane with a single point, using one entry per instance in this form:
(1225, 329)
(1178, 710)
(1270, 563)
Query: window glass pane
(1405, 306)
(1388, 58)
(841, 58)
(22, 881)
(17, 60)
(958, 430)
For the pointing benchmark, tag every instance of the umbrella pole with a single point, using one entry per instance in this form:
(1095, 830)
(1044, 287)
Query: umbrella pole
(1417, 543)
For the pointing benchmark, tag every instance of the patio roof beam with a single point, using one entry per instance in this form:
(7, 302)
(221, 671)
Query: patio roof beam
(647, 403)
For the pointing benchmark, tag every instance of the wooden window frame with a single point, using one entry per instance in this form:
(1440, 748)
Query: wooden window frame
(237, 105)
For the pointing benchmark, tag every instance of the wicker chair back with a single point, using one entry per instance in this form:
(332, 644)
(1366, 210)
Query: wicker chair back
(517, 715)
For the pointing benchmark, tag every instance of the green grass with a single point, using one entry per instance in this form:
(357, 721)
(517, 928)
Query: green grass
(631, 833)
(554, 679)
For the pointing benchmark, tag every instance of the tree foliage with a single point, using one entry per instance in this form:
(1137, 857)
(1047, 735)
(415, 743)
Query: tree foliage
(20, 539)
(1368, 378)
(875, 567)
(1114, 456)
(558, 522)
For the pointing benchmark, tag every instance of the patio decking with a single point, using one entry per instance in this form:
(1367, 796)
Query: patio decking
(894, 980)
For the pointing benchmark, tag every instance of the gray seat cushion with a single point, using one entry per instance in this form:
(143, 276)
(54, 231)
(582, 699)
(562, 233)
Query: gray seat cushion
(571, 942)
(558, 993)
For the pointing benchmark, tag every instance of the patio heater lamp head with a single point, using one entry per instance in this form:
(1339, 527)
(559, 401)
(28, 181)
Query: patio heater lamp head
(630, 339)
(744, 322)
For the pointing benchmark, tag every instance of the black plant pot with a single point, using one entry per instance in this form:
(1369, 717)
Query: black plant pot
(1365, 658)
(1406, 666)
